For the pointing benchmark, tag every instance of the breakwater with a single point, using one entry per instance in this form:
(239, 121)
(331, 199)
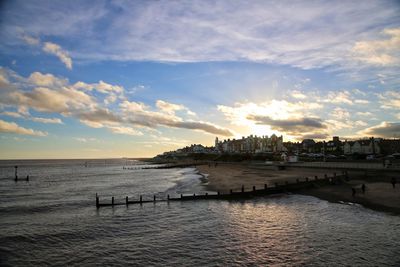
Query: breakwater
(276, 188)
(167, 166)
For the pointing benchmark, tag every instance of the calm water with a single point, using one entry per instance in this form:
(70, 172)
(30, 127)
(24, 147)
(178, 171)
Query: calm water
(52, 220)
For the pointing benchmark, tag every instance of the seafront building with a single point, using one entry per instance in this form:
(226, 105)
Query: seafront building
(307, 148)
(370, 146)
(251, 144)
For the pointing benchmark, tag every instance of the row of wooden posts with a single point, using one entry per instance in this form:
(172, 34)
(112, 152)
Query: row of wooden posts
(277, 188)
(167, 166)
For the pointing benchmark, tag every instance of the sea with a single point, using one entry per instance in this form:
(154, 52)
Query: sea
(52, 220)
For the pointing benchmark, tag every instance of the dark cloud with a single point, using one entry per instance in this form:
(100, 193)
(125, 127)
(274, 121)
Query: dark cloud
(385, 129)
(99, 115)
(151, 120)
(289, 125)
(316, 136)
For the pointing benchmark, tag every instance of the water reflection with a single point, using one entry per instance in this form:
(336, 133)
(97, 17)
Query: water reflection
(266, 232)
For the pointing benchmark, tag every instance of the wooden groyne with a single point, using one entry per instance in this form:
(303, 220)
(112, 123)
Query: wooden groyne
(167, 166)
(244, 193)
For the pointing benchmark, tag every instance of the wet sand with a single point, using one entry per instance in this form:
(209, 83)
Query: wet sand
(232, 176)
(379, 195)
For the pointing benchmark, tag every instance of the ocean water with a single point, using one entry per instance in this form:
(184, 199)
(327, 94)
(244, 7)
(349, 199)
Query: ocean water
(52, 221)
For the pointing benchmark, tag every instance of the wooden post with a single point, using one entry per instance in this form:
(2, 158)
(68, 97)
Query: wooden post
(231, 191)
(112, 201)
(242, 188)
(27, 178)
(97, 201)
(16, 173)
(154, 198)
(126, 200)
(181, 196)
(254, 188)
(265, 186)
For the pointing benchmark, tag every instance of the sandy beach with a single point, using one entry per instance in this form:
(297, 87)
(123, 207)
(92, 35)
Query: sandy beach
(379, 194)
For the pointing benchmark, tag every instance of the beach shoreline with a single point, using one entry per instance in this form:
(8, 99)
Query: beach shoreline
(379, 194)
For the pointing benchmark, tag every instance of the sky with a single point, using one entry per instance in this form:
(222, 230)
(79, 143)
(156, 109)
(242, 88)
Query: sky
(95, 79)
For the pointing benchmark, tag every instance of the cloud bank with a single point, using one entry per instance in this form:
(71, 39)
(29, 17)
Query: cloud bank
(291, 125)
(47, 93)
(385, 129)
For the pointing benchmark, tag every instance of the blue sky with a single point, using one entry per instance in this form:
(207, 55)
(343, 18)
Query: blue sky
(82, 79)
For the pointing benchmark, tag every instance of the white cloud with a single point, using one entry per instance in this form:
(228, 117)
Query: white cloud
(3, 78)
(361, 101)
(380, 52)
(47, 120)
(85, 139)
(139, 114)
(12, 127)
(278, 109)
(359, 92)
(56, 50)
(335, 125)
(339, 97)
(44, 99)
(101, 87)
(168, 108)
(389, 100)
(366, 113)
(360, 123)
(340, 113)
(303, 34)
(27, 116)
(50, 48)
(11, 114)
(46, 80)
(31, 40)
(298, 95)
(171, 108)
(124, 130)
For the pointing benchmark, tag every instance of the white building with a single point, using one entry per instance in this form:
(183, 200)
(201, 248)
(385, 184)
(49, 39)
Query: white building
(370, 146)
